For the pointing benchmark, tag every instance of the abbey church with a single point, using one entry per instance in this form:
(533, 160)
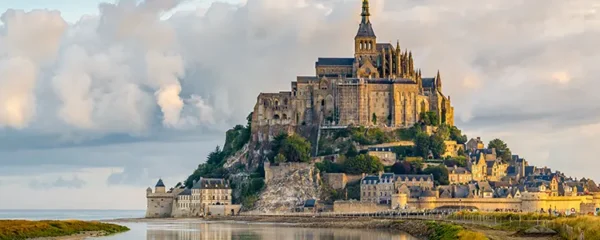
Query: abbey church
(379, 86)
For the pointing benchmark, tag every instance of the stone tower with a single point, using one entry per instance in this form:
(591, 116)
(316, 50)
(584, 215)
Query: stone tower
(365, 46)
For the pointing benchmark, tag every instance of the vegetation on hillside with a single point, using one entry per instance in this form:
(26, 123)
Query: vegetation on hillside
(294, 148)
(235, 140)
(22, 229)
(502, 149)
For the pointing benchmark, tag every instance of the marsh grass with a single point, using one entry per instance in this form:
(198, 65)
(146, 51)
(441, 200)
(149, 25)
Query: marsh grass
(23, 229)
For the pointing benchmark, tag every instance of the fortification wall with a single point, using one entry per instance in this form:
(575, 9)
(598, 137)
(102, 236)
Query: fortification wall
(280, 171)
(159, 205)
(223, 210)
(483, 204)
(336, 180)
(355, 206)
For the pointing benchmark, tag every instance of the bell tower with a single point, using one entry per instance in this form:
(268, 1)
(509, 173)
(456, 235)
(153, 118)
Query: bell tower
(365, 42)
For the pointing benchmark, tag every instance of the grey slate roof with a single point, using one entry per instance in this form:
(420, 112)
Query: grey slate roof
(160, 183)
(365, 30)
(428, 82)
(186, 192)
(335, 62)
(211, 183)
(384, 46)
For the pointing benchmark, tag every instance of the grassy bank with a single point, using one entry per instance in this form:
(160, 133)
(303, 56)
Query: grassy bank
(22, 229)
(570, 228)
(446, 231)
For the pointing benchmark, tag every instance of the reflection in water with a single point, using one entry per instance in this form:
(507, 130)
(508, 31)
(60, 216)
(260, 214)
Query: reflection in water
(242, 231)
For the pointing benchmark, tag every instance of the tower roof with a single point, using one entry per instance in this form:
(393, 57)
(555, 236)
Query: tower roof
(160, 183)
(365, 29)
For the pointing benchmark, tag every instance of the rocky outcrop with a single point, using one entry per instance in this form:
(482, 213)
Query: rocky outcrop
(289, 188)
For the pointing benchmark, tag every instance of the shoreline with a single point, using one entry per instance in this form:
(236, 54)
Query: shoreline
(421, 229)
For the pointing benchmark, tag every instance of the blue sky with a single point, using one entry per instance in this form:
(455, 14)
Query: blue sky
(99, 109)
(72, 10)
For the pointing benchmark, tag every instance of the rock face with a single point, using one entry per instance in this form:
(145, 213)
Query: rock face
(289, 187)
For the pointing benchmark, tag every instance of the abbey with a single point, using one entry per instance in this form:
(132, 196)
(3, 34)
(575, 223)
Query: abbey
(379, 86)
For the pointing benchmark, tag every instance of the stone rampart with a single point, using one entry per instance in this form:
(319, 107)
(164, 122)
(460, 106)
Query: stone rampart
(336, 180)
(272, 171)
(355, 206)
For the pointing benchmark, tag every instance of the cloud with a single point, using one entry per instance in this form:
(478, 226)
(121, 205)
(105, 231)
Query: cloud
(133, 87)
(60, 182)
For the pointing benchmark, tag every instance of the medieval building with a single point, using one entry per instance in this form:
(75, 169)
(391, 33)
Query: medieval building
(378, 86)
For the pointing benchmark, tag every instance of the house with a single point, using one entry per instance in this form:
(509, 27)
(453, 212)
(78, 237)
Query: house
(459, 175)
(310, 206)
(474, 144)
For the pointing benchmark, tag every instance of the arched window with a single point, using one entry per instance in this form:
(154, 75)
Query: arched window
(213, 197)
(276, 102)
(276, 117)
(284, 116)
(285, 102)
(323, 103)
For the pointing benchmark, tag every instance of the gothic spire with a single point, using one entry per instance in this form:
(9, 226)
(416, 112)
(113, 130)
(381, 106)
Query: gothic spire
(365, 12)
(365, 29)
(438, 81)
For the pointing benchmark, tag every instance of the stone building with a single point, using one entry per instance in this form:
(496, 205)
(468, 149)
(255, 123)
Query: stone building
(459, 175)
(380, 188)
(207, 196)
(378, 86)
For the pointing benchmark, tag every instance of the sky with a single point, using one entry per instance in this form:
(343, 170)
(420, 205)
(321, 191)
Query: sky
(100, 99)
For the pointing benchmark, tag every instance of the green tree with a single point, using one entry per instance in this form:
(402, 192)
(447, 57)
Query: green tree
(437, 146)
(362, 164)
(433, 118)
(502, 149)
(422, 145)
(456, 135)
(295, 149)
(280, 158)
(443, 132)
(440, 174)
(374, 119)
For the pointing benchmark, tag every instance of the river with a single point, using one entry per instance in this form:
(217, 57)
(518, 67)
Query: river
(181, 230)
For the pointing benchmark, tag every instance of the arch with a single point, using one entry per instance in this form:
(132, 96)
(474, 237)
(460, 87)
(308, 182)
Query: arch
(284, 116)
(285, 101)
(266, 102)
(276, 102)
(322, 102)
(276, 117)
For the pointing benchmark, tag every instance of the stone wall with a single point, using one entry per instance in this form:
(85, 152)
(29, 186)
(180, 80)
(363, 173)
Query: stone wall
(355, 206)
(223, 210)
(282, 169)
(336, 180)
(159, 205)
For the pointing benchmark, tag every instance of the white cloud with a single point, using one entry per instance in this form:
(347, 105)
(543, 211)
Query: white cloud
(521, 70)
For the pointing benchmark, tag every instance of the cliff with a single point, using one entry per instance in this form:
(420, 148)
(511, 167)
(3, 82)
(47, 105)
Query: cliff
(288, 187)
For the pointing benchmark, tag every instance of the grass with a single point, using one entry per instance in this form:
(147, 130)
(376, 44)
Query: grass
(23, 229)
(446, 231)
(590, 226)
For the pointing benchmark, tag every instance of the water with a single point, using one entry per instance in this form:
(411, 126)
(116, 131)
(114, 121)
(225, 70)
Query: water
(198, 230)
(86, 215)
